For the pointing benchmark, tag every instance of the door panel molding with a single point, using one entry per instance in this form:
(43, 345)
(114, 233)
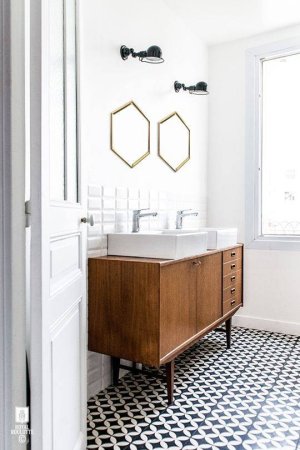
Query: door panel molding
(65, 337)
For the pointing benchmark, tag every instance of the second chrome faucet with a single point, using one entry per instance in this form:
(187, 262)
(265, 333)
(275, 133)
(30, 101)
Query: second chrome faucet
(181, 214)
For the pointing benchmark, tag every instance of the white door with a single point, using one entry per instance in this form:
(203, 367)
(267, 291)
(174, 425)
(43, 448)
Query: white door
(58, 249)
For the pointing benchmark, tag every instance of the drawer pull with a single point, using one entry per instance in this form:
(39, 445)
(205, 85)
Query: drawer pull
(233, 253)
(232, 290)
(232, 302)
(196, 263)
(233, 266)
(232, 278)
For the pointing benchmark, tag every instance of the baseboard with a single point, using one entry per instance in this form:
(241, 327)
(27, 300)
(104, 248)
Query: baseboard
(94, 388)
(81, 443)
(258, 323)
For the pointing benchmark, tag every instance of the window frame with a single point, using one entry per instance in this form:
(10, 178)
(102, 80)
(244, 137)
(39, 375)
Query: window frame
(253, 135)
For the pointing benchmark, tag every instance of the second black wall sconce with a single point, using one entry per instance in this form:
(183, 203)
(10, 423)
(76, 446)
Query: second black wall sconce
(152, 56)
(198, 89)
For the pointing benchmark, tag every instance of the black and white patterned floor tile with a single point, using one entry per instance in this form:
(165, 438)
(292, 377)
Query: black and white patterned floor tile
(246, 398)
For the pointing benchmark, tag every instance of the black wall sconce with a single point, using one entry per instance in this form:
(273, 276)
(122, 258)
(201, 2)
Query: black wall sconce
(198, 89)
(152, 56)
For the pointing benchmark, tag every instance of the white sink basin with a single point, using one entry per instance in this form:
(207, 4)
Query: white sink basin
(158, 244)
(217, 237)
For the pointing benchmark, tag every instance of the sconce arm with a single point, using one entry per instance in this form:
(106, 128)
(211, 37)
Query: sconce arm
(139, 55)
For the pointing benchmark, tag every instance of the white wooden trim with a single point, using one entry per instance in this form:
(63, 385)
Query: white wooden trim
(17, 217)
(12, 228)
(253, 239)
(37, 216)
(5, 199)
(258, 323)
(82, 199)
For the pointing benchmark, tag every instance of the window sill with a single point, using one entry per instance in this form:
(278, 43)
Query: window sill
(282, 243)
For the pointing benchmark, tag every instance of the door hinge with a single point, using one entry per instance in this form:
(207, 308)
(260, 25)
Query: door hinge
(27, 213)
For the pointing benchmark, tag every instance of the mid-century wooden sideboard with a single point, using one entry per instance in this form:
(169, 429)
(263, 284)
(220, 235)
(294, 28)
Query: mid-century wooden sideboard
(151, 310)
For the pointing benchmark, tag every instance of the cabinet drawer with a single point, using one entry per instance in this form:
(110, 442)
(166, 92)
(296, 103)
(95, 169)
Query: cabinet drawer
(232, 292)
(232, 267)
(230, 305)
(232, 280)
(233, 254)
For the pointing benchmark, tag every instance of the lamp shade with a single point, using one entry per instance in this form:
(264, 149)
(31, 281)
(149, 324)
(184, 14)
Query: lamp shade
(199, 89)
(153, 55)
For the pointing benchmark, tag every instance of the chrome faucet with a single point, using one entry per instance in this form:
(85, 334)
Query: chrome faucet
(181, 214)
(136, 218)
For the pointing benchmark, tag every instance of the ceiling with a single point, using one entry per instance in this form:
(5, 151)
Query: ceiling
(218, 21)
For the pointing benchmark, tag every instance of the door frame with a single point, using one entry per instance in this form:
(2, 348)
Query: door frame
(36, 291)
(12, 227)
(5, 205)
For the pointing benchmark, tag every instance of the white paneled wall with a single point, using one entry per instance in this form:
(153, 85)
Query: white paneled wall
(112, 210)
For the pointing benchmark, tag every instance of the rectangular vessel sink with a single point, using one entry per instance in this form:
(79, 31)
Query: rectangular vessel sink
(217, 237)
(158, 244)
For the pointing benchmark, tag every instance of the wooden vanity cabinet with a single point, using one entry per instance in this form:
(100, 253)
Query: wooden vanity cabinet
(150, 310)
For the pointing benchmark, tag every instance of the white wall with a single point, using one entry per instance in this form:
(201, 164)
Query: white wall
(272, 278)
(108, 82)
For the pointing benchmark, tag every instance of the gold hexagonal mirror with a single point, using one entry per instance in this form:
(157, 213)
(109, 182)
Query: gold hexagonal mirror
(130, 134)
(174, 141)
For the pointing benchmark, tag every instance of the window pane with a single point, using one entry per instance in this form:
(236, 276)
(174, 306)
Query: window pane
(57, 119)
(63, 112)
(70, 102)
(281, 146)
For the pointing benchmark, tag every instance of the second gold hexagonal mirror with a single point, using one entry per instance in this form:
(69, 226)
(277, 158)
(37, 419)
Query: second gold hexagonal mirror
(174, 141)
(130, 134)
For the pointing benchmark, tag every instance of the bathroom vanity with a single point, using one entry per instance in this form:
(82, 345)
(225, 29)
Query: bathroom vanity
(150, 310)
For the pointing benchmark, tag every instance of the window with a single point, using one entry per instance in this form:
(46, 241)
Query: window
(273, 195)
(280, 146)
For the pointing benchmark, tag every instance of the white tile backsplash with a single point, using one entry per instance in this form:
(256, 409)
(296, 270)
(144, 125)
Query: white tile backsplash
(108, 203)
(108, 191)
(133, 193)
(122, 192)
(109, 216)
(112, 210)
(94, 191)
(133, 204)
(94, 203)
(122, 204)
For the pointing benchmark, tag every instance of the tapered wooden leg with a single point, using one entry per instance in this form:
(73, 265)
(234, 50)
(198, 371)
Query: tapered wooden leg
(170, 380)
(228, 332)
(115, 369)
(134, 367)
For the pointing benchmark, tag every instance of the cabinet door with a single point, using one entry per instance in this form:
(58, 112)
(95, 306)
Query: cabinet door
(178, 305)
(209, 290)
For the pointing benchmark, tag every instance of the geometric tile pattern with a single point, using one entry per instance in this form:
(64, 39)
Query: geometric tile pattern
(247, 397)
